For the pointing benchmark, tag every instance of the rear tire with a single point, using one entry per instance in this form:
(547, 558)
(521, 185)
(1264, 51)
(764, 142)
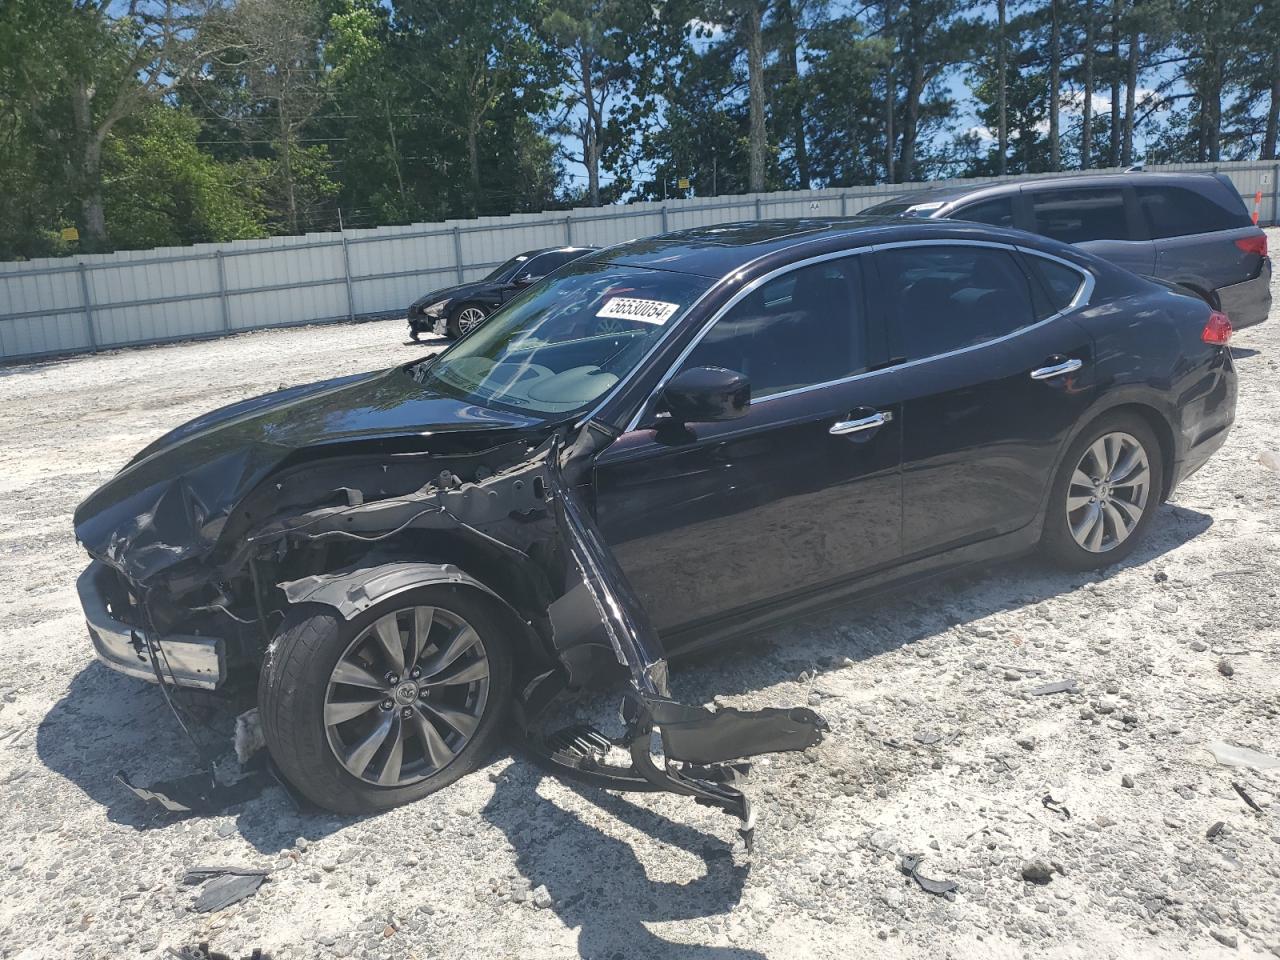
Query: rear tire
(434, 732)
(1095, 524)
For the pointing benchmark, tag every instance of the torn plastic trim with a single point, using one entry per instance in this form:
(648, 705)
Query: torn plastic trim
(352, 591)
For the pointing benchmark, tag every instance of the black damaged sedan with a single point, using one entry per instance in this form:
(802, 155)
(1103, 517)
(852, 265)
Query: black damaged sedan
(667, 444)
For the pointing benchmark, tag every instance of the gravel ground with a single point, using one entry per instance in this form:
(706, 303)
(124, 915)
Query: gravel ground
(937, 746)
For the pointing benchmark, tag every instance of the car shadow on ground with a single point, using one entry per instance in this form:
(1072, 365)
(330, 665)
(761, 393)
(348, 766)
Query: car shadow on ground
(596, 881)
(107, 722)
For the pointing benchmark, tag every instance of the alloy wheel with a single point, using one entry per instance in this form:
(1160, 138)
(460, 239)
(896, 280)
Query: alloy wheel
(1108, 492)
(469, 318)
(406, 696)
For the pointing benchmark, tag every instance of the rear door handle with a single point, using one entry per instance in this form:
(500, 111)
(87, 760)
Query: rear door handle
(1057, 369)
(877, 419)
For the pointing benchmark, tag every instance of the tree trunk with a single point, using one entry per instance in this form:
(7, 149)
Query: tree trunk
(757, 137)
(791, 63)
(1273, 113)
(1086, 108)
(1055, 81)
(1215, 110)
(915, 89)
(473, 164)
(890, 91)
(1131, 95)
(1113, 144)
(591, 128)
(286, 160)
(93, 220)
(1002, 98)
(395, 160)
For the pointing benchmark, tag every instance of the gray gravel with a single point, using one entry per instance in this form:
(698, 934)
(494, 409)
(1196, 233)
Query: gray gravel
(937, 746)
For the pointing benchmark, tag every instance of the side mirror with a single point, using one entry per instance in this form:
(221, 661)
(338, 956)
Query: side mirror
(524, 280)
(706, 394)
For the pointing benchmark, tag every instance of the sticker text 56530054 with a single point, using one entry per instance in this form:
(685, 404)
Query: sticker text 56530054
(631, 308)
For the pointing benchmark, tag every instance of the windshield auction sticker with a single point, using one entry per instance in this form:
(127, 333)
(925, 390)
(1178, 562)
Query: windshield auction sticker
(630, 308)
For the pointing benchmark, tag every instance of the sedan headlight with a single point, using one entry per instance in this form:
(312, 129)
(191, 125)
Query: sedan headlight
(436, 309)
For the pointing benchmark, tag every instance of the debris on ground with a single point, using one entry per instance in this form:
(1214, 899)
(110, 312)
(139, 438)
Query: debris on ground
(1225, 668)
(198, 794)
(1215, 831)
(224, 886)
(1244, 795)
(910, 865)
(1058, 686)
(248, 737)
(1037, 871)
(1228, 754)
(1055, 805)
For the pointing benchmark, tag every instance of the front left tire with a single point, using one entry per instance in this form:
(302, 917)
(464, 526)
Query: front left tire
(399, 702)
(464, 318)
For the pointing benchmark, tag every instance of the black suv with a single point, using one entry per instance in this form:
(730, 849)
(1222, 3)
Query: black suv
(1191, 229)
(456, 310)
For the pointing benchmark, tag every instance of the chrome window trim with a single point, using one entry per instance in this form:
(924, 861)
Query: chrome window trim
(1082, 298)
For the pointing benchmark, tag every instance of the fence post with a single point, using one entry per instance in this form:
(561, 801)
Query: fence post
(1275, 195)
(457, 251)
(844, 204)
(568, 231)
(759, 210)
(222, 290)
(88, 307)
(663, 210)
(346, 275)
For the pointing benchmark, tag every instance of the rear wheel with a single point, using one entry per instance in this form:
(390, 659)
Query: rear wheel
(1106, 492)
(465, 318)
(391, 706)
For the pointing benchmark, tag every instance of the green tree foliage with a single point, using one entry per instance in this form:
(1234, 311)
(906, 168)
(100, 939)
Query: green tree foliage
(175, 121)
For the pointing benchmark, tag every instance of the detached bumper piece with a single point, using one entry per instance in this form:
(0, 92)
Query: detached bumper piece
(701, 749)
(184, 661)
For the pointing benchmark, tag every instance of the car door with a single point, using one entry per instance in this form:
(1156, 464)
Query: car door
(710, 518)
(983, 413)
(1103, 220)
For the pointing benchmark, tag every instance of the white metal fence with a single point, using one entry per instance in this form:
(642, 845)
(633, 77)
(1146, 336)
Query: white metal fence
(65, 305)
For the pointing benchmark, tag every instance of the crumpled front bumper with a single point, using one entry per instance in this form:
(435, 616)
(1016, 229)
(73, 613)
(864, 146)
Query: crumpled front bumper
(184, 661)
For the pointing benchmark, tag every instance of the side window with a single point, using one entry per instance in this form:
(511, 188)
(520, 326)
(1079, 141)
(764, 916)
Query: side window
(1179, 211)
(1060, 282)
(998, 211)
(803, 328)
(538, 266)
(554, 261)
(1073, 216)
(943, 298)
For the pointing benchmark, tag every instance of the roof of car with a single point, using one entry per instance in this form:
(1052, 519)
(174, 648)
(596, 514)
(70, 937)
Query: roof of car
(719, 250)
(945, 194)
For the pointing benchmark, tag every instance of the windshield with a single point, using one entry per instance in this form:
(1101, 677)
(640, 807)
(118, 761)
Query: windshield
(564, 342)
(508, 269)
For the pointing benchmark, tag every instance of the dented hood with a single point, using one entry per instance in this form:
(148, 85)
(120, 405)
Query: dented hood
(169, 503)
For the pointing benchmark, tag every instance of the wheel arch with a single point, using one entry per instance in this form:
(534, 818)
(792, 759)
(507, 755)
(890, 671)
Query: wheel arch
(1150, 412)
(351, 591)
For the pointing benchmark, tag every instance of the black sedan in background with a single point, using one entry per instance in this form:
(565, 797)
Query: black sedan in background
(669, 443)
(456, 310)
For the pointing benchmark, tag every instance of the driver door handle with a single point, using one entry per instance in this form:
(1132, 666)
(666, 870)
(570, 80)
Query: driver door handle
(877, 419)
(1057, 369)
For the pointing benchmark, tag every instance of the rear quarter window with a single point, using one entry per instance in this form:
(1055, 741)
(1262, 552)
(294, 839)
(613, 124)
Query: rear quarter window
(1059, 282)
(1076, 216)
(1181, 211)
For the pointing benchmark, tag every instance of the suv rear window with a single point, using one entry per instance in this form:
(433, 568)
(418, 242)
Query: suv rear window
(1074, 216)
(1179, 211)
(998, 211)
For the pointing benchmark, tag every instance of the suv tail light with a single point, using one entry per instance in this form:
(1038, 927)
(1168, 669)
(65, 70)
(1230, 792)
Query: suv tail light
(1218, 330)
(1256, 244)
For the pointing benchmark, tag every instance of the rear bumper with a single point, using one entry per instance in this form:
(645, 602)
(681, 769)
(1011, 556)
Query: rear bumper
(185, 661)
(1248, 303)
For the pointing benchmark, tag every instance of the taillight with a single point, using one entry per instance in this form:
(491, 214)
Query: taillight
(1256, 244)
(1218, 330)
